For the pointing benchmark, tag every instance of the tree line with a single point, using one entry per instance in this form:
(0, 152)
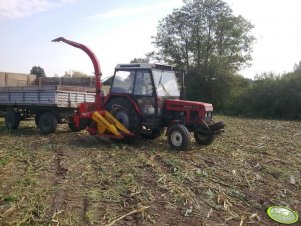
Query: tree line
(270, 96)
(39, 72)
(211, 45)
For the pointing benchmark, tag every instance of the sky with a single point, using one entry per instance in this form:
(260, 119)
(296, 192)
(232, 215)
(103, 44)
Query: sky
(120, 30)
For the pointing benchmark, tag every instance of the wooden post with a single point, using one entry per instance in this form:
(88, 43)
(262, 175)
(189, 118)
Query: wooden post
(6, 79)
(28, 80)
(23, 94)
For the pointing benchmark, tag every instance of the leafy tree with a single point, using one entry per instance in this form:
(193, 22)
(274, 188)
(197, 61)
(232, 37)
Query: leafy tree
(202, 32)
(209, 43)
(67, 74)
(79, 74)
(272, 96)
(74, 74)
(38, 71)
(258, 100)
(297, 67)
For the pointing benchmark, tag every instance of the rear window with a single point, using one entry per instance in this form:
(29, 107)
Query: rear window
(166, 83)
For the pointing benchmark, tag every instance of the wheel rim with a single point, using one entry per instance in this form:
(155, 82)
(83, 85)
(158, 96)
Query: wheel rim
(176, 138)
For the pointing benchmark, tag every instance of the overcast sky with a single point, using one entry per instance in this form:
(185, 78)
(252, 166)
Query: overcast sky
(120, 30)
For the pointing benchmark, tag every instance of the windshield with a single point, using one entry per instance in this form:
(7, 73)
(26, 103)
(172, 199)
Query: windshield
(133, 81)
(166, 83)
(123, 82)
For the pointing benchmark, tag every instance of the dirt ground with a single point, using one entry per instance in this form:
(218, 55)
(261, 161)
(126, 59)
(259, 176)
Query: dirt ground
(74, 179)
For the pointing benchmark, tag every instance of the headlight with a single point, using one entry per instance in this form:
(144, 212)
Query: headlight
(208, 114)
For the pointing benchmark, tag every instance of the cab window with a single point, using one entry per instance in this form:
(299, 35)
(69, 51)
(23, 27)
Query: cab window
(143, 84)
(123, 82)
(166, 83)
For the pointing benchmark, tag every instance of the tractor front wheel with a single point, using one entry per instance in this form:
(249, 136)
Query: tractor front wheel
(178, 137)
(203, 139)
(154, 134)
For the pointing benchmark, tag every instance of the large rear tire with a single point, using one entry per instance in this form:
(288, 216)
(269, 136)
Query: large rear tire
(12, 120)
(48, 123)
(124, 111)
(178, 137)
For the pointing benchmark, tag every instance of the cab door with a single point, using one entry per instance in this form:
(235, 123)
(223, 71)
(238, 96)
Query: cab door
(144, 92)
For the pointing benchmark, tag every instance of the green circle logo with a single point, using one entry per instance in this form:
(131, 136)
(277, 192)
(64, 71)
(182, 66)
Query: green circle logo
(282, 215)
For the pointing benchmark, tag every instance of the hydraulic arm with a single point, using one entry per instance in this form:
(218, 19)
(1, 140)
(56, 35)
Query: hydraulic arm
(97, 70)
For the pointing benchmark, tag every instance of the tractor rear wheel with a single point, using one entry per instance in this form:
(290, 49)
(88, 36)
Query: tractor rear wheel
(203, 139)
(178, 137)
(124, 111)
(12, 120)
(48, 123)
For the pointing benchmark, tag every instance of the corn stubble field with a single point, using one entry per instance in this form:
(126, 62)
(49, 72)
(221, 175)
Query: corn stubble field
(74, 179)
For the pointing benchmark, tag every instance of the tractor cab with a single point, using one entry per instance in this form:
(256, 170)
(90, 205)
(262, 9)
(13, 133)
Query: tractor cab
(147, 84)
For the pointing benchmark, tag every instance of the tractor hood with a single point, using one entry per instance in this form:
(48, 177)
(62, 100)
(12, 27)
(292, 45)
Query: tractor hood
(189, 105)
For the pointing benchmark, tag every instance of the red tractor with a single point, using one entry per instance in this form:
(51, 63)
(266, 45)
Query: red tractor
(143, 101)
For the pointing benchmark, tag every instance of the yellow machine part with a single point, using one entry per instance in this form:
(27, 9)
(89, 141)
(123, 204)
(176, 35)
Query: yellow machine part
(108, 122)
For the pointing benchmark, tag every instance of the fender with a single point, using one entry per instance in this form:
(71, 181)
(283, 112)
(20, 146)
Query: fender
(110, 96)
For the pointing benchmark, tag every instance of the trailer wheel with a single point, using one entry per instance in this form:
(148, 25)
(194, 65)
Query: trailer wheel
(36, 119)
(48, 123)
(178, 137)
(12, 120)
(203, 139)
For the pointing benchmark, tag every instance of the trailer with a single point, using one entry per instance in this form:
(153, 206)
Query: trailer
(49, 105)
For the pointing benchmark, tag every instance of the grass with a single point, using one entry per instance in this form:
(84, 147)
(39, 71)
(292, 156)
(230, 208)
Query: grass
(74, 179)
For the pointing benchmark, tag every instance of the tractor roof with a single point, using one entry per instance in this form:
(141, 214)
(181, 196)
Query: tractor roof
(144, 66)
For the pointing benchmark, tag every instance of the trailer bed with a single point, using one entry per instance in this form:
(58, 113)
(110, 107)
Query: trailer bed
(59, 96)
